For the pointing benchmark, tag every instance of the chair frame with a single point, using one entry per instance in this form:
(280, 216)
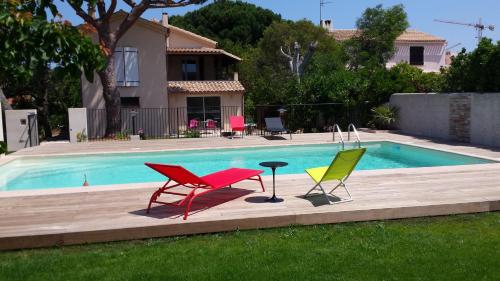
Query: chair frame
(341, 183)
(189, 197)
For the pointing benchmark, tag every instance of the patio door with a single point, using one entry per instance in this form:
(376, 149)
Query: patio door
(204, 108)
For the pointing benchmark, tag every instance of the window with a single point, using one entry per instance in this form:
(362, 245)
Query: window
(204, 108)
(130, 102)
(189, 70)
(126, 66)
(417, 55)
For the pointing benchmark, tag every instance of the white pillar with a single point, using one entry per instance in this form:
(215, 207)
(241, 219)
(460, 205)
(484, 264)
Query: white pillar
(77, 123)
(17, 125)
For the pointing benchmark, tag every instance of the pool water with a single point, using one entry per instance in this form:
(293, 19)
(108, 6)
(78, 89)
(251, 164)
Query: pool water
(69, 171)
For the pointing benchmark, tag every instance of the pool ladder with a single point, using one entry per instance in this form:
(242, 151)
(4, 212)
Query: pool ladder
(351, 127)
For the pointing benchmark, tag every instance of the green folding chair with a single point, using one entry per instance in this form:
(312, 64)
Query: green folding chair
(340, 169)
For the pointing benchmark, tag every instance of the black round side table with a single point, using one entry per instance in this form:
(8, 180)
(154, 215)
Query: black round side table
(273, 165)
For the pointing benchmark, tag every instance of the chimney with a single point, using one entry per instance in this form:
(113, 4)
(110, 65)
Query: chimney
(164, 19)
(327, 24)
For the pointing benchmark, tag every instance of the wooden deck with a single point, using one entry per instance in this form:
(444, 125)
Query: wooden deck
(118, 213)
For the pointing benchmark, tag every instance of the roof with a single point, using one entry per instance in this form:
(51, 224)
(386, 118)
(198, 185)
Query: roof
(406, 37)
(204, 87)
(200, 51)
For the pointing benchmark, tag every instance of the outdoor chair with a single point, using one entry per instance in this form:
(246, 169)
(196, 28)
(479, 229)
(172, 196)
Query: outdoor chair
(193, 124)
(200, 185)
(237, 124)
(274, 125)
(211, 124)
(340, 169)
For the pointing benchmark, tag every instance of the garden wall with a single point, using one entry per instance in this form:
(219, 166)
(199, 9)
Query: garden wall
(464, 117)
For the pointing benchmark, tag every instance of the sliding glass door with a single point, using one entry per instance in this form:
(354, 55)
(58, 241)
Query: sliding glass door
(203, 109)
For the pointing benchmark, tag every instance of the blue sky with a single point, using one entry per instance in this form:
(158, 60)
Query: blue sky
(421, 14)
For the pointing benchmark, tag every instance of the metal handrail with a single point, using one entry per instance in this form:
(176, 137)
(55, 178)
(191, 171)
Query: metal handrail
(336, 126)
(358, 140)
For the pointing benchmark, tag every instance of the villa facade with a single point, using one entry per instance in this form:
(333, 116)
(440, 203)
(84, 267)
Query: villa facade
(420, 49)
(160, 66)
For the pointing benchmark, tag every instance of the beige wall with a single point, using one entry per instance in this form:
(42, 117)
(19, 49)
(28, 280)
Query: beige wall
(152, 91)
(180, 39)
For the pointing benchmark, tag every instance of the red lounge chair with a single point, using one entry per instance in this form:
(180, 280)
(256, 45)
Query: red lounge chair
(237, 124)
(200, 185)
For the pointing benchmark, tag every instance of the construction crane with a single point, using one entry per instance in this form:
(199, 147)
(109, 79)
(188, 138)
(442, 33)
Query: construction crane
(322, 3)
(479, 26)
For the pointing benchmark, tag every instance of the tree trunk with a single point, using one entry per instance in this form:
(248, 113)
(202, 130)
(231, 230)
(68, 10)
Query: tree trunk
(111, 97)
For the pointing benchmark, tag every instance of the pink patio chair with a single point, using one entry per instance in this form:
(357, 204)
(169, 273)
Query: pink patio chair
(193, 124)
(199, 185)
(237, 124)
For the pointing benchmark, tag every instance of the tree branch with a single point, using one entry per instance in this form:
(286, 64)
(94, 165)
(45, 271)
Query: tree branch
(111, 9)
(86, 17)
(131, 3)
(172, 3)
(101, 8)
(131, 18)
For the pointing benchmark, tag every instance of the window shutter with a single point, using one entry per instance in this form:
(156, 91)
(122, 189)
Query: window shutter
(119, 67)
(131, 66)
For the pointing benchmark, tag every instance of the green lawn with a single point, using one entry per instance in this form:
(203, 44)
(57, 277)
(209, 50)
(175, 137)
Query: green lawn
(465, 247)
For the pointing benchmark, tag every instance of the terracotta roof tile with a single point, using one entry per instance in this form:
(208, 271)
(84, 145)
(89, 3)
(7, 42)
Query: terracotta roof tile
(204, 50)
(407, 36)
(198, 87)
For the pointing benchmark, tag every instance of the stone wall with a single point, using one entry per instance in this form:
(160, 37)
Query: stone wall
(464, 117)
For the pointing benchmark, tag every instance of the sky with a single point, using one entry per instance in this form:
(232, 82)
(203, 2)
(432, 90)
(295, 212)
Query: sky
(344, 13)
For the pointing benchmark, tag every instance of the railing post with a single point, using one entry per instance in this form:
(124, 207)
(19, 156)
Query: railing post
(177, 119)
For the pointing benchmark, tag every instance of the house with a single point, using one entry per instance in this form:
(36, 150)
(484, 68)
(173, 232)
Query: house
(420, 49)
(163, 69)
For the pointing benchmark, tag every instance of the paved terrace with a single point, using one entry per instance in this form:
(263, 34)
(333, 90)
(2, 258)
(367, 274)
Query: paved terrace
(96, 214)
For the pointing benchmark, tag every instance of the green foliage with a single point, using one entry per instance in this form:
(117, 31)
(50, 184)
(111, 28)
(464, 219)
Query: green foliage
(234, 24)
(477, 71)
(464, 247)
(28, 40)
(410, 79)
(81, 136)
(383, 116)
(192, 134)
(378, 29)
(265, 71)
(3, 147)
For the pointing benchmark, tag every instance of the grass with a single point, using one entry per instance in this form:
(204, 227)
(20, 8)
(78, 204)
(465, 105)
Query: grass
(464, 247)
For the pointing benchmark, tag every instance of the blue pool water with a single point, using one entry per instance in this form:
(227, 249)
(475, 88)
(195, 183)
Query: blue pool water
(69, 171)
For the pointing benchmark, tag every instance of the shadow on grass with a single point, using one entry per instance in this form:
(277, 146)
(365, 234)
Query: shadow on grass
(202, 203)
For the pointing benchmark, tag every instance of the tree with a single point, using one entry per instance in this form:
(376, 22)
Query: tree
(33, 47)
(109, 37)
(265, 71)
(378, 29)
(476, 71)
(236, 25)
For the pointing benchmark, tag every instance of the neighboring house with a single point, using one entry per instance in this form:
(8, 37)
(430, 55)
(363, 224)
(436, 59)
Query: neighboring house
(425, 51)
(160, 66)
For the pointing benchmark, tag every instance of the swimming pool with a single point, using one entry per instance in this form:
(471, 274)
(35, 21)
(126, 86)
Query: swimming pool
(105, 169)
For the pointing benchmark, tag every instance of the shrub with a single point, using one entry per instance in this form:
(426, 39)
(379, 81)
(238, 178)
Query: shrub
(383, 117)
(192, 134)
(3, 147)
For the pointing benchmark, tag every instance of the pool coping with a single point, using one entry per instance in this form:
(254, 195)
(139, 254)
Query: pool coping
(128, 186)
